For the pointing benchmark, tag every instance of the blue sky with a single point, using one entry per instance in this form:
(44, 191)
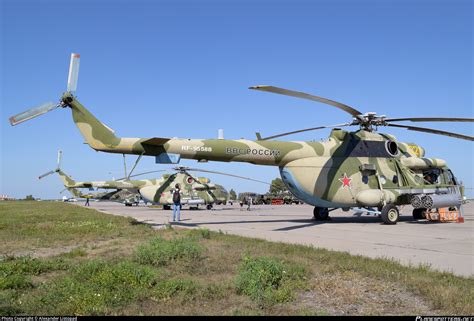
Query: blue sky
(182, 68)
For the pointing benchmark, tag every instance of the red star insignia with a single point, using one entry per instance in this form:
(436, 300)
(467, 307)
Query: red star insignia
(346, 181)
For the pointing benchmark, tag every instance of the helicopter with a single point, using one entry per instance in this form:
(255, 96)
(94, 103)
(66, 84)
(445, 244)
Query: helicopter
(196, 190)
(362, 169)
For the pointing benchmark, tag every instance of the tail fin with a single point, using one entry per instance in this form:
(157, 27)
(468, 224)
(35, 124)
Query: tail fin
(67, 180)
(98, 135)
(74, 192)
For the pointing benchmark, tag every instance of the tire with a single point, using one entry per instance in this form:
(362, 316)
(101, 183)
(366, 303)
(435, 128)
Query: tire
(166, 207)
(321, 213)
(419, 214)
(390, 214)
(208, 206)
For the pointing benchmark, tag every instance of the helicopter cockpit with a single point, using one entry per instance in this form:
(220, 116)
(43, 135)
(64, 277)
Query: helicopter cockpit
(431, 176)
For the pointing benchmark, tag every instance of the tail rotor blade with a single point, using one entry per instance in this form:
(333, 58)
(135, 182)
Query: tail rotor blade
(73, 72)
(46, 174)
(32, 113)
(60, 153)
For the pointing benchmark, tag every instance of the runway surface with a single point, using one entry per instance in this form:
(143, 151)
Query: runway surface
(444, 246)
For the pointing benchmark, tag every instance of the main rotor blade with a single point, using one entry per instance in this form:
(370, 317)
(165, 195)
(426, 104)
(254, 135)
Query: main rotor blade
(46, 174)
(32, 113)
(434, 131)
(304, 130)
(221, 173)
(433, 119)
(144, 173)
(354, 112)
(73, 72)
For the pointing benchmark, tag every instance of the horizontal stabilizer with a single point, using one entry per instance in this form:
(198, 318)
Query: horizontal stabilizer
(156, 141)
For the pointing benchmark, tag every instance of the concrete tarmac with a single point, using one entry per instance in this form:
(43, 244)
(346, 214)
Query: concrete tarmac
(443, 246)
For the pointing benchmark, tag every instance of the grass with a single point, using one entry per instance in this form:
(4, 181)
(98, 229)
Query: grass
(52, 225)
(161, 252)
(92, 288)
(98, 264)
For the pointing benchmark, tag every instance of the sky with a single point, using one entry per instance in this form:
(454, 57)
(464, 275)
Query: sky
(182, 69)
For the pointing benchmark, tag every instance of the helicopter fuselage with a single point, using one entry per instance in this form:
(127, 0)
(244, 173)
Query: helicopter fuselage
(349, 169)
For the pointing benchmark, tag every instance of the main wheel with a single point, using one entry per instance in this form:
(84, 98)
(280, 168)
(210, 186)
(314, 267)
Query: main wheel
(419, 213)
(166, 207)
(390, 214)
(209, 206)
(321, 213)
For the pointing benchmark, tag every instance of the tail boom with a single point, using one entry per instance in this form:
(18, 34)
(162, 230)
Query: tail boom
(101, 138)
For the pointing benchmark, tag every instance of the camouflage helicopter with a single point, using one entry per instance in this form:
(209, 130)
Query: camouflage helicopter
(351, 169)
(196, 190)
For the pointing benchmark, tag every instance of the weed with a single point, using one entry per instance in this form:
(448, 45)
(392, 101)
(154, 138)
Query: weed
(15, 273)
(161, 252)
(77, 252)
(201, 232)
(165, 290)
(268, 280)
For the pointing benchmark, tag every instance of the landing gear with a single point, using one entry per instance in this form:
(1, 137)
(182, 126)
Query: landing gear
(390, 214)
(419, 213)
(321, 213)
(209, 206)
(166, 207)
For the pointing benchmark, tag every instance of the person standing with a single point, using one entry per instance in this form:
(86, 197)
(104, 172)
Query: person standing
(87, 201)
(176, 203)
(249, 203)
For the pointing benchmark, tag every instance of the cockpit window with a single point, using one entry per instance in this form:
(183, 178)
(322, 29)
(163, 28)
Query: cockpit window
(431, 176)
(451, 178)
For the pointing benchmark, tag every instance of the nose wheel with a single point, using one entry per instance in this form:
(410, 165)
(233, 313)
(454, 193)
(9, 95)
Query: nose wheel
(321, 213)
(390, 214)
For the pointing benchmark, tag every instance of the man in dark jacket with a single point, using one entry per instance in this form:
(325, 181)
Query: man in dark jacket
(176, 203)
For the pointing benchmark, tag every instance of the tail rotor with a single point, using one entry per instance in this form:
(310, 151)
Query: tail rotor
(54, 170)
(49, 106)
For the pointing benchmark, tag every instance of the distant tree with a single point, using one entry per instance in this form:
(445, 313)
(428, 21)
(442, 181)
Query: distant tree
(29, 198)
(233, 194)
(277, 187)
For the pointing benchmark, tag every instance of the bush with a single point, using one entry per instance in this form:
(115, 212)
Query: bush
(268, 280)
(160, 252)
